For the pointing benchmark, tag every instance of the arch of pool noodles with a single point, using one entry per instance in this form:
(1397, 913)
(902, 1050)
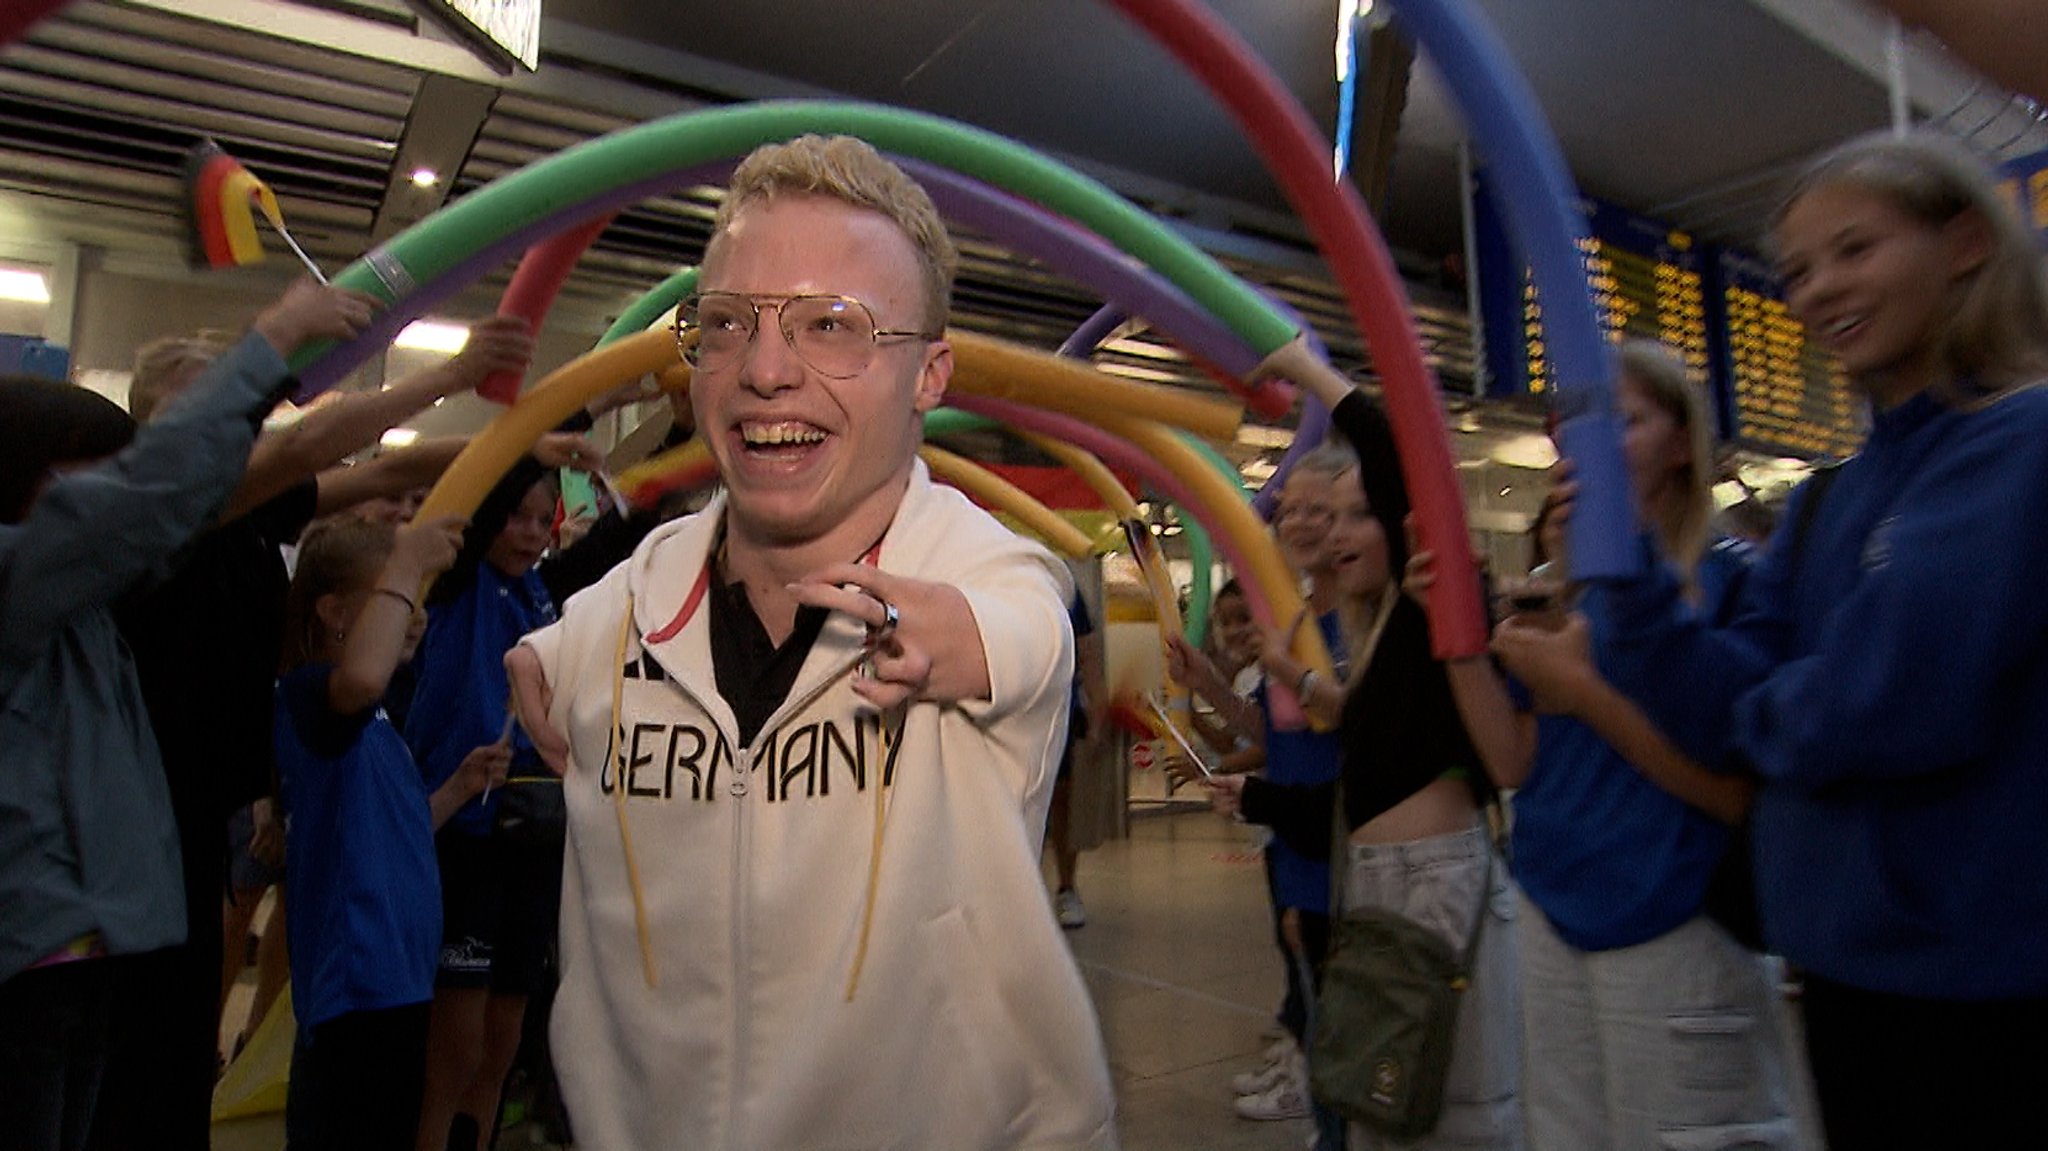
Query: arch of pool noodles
(1200, 483)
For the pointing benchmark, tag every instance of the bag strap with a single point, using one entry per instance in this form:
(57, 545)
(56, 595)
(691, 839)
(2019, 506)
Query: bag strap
(1478, 915)
(1340, 838)
(1361, 662)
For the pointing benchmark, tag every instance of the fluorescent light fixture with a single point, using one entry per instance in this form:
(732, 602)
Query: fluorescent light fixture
(399, 438)
(425, 177)
(1134, 372)
(1532, 451)
(1261, 436)
(427, 336)
(24, 286)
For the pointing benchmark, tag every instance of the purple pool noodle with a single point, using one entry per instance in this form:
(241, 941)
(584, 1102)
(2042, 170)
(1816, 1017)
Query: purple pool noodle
(1309, 433)
(1093, 331)
(1078, 253)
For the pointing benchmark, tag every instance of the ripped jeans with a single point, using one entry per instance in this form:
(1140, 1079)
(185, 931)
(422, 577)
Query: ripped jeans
(1671, 1045)
(1438, 882)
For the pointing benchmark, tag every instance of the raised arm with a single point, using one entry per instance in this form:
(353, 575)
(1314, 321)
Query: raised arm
(390, 475)
(350, 422)
(95, 533)
(377, 638)
(1195, 671)
(2006, 40)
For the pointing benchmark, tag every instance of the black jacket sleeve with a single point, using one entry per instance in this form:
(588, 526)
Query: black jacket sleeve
(1300, 816)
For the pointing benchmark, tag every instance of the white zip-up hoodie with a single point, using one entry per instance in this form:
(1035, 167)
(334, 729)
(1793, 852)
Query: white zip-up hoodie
(771, 894)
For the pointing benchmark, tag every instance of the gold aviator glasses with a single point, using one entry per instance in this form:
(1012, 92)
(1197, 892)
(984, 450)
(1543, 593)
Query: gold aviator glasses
(835, 336)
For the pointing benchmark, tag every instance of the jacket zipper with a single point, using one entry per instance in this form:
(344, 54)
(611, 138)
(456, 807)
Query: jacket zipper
(743, 764)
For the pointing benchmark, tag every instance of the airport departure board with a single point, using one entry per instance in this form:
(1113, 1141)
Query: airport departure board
(1719, 308)
(1789, 396)
(1648, 281)
(2024, 183)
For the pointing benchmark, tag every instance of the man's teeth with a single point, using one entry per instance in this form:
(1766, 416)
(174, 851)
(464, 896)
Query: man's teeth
(1843, 325)
(771, 435)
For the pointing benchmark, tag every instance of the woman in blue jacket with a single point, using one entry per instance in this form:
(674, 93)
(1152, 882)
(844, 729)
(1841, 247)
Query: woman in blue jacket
(1887, 674)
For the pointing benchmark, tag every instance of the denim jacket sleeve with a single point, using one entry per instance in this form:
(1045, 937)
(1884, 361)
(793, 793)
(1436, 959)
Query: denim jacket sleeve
(96, 533)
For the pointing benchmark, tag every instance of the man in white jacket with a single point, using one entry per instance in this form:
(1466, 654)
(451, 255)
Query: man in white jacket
(809, 733)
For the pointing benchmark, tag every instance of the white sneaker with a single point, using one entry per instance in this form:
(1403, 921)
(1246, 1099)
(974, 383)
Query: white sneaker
(1287, 1100)
(1274, 1063)
(1067, 908)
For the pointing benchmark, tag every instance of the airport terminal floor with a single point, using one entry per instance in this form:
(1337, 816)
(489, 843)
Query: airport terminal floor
(1179, 959)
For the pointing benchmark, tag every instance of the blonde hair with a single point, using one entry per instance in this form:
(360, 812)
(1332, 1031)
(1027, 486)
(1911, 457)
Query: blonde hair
(160, 364)
(851, 171)
(1995, 332)
(1662, 377)
(1328, 459)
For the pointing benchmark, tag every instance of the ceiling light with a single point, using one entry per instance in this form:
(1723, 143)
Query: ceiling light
(1531, 450)
(425, 177)
(399, 438)
(24, 286)
(427, 336)
(1261, 436)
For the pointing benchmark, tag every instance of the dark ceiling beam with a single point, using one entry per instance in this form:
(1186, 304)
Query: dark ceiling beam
(1387, 60)
(447, 115)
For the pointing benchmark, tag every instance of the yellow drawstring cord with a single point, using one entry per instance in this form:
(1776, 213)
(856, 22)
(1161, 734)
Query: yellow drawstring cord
(618, 766)
(867, 914)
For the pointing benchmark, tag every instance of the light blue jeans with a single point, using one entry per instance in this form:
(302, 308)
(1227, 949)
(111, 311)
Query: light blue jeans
(1439, 882)
(1670, 1045)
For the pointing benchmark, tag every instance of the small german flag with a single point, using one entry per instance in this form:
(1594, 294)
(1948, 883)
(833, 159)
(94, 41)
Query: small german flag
(221, 202)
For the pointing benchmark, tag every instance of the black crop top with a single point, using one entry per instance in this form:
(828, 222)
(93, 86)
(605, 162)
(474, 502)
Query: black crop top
(1400, 725)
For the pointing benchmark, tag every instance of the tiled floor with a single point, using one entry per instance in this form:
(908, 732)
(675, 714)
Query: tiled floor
(1179, 957)
(1179, 954)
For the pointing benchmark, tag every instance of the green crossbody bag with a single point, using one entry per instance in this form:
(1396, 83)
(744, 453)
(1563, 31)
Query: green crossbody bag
(1387, 1015)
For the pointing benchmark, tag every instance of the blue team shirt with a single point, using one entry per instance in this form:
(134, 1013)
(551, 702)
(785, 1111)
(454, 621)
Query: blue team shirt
(1610, 858)
(1890, 683)
(1302, 759)
(363, 893)
(460, 700)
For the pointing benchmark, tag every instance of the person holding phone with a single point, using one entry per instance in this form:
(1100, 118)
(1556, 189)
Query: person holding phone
(1616, 835)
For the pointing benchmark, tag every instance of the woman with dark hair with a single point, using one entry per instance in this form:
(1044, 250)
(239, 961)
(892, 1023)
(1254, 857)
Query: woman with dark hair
(1411, 794)
(500, 867)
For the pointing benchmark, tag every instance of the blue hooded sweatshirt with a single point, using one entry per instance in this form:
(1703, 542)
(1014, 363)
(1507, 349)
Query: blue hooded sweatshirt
(1889, 682)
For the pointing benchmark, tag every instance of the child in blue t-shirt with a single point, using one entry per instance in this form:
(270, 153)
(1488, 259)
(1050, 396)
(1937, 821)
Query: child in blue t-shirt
(364, 896)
